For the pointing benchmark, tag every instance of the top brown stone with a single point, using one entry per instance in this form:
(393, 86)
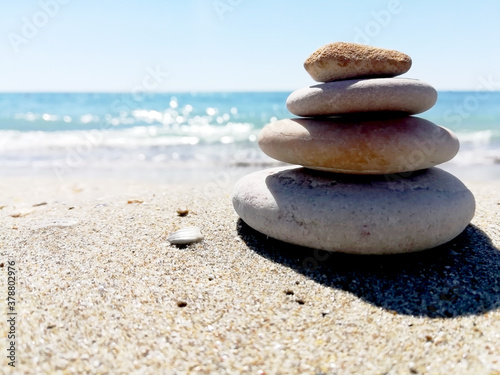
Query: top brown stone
(339, 60)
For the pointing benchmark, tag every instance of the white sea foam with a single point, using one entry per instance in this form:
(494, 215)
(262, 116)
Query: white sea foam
(477, 139)
(478, 148)
(188, 130)
(139, 136)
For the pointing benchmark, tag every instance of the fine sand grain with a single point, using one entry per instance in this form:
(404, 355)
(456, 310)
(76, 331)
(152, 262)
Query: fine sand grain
(100, 290)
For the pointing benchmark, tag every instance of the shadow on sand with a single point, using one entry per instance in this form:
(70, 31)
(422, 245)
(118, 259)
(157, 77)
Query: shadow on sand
(461, 277)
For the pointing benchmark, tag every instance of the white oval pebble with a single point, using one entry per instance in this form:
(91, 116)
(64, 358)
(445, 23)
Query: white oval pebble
(362, 95)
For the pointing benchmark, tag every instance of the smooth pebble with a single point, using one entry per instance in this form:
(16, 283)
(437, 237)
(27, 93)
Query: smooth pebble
(341, 60)
(355, 214)
(409, 96)
(359, 146)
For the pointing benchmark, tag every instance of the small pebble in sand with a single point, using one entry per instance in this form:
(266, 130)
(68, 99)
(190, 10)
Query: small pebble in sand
(138, 201)
(20, 214)
(182, 212)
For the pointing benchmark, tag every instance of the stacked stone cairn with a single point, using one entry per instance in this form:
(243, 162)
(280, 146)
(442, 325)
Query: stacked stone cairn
(367, 184)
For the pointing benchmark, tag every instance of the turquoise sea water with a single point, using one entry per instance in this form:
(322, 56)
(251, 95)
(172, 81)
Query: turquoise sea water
(66, 133)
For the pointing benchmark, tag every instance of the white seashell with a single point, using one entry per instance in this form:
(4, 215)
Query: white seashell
(185, 236)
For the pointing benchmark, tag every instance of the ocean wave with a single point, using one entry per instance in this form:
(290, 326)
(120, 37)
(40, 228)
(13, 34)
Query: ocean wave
(469, 158)
(478, 148)
(60, 112)
(191, 142)
(478, 138)
(128, 138)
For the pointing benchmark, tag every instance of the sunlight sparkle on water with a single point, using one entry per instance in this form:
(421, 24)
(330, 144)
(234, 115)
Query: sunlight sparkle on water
(226, 139)
(187, 109)
(190, 140)
(211, 111)
(48, 117)
(88, 118)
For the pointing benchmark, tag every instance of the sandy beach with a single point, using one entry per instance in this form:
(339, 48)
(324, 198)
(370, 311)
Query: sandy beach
(124, 123)
(100, 289)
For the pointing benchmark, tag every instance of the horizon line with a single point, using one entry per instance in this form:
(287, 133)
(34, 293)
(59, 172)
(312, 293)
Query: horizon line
(192, 91)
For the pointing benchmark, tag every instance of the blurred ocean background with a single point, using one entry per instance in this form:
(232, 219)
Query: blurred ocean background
(177, 136)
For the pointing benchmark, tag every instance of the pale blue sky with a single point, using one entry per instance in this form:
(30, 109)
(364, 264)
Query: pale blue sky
(224, 45)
